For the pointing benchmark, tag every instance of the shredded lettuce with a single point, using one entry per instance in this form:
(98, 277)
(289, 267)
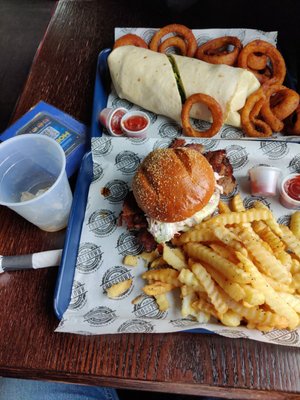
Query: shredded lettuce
(178, 79)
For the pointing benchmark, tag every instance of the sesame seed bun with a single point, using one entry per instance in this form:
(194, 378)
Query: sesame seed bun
(173, 184)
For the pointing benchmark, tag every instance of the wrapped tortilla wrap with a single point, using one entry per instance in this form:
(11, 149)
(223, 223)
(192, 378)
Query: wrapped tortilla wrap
(153, 81)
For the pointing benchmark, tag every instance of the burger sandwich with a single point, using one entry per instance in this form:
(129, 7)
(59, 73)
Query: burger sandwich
(174, 188)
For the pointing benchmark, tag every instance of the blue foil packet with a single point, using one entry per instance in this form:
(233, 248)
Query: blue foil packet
(45, 119)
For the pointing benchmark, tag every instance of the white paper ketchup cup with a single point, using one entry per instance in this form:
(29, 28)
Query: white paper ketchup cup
(135, 124)
(264, 180)
(290, 191)
(110, 118)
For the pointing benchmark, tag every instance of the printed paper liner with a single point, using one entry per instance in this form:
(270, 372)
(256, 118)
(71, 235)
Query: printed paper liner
(103, 243)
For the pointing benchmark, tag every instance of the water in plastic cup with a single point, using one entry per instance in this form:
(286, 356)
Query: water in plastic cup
(33, 180)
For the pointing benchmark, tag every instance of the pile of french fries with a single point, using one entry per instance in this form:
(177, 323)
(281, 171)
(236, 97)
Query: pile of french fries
(239, 267)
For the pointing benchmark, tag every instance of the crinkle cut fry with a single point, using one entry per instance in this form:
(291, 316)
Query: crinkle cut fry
(272, 298)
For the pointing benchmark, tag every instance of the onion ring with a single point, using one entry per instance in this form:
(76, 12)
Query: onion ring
(257, 61)
(174, 41)
(280, 103)
(181, 30)
(251, 124)
(213, 106)
(284, 103)
(216, 51)
(130, 39)
(292, 123)
(274, 56)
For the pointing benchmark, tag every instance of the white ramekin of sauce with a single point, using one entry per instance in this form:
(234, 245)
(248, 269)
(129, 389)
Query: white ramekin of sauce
(264, 180)
(290, 191)
(135, 124)
(110, 118)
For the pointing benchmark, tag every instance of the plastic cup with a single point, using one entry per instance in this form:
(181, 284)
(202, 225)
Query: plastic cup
(285, 199)
(264, 180)
(110, 118)
(33, 180)
(135, 133)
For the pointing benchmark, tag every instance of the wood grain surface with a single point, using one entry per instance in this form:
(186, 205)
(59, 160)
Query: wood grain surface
(63, 74)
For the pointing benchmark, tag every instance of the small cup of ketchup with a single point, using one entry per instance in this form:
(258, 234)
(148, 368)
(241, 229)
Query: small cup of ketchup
(110, 118)
(135, 124)
(264, 180)
(290, 191)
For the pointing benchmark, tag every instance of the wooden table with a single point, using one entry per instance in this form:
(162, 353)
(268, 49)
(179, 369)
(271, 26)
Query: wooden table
(63, 75)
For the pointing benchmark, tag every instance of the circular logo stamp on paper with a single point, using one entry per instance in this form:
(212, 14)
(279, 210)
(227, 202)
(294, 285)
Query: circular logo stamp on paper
(102, 146)
(127, 162)
(230, 132)
(116, 275)
(147, 307)
(234, 334)
(97, 172)
(200, 124)
(283, 336)
(147, 35)
(138, 141)
(136, 326)
(128, 30)
(203, 38)
(294, 165)
(273, 149)
(89, 258)
(169, 130)
(128, 244)
(284, 220)
(250, 200)
(117, 102)
(230, 195)
(183, 322)
(78, 296)
(100, 316)
(162, 143)
(115, 191)
(237, 155)
(209, 144)
(102, 222)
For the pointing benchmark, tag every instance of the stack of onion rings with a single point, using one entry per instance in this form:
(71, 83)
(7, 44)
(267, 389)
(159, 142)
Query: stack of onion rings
(185, 33)
(251, 124)
(256, 57)
(130, 39)
(216, 51)
(213, 106)
(267, 108)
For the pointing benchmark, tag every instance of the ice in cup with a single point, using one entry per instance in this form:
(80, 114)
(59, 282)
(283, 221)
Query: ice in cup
(33, 180)
(264, 180)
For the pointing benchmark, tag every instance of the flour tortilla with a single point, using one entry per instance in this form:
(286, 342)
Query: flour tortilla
(230, 86)
(146, 78)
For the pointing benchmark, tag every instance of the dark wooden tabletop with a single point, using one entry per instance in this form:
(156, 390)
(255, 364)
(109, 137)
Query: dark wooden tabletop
(63, 75)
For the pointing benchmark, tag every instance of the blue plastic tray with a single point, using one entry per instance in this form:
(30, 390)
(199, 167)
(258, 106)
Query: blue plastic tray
(66, 271)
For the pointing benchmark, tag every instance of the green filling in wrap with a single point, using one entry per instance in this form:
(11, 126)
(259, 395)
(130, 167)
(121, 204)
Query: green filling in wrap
(178, 79)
